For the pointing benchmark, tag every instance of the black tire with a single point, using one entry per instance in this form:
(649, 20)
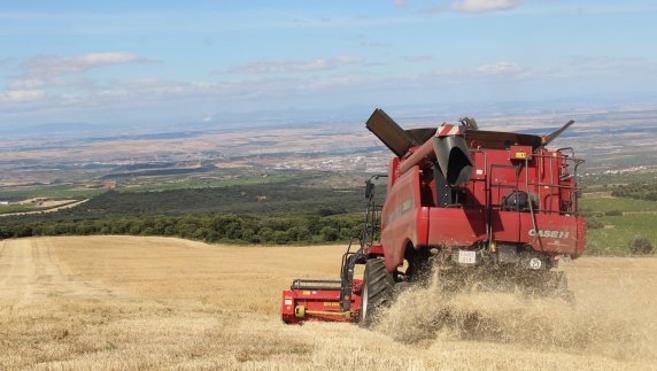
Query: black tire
(419, 265)
(378, 289)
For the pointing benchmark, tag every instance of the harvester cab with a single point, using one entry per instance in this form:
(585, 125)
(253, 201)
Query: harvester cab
(463, 201)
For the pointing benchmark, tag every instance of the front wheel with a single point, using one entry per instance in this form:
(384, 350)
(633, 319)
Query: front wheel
(378, 287)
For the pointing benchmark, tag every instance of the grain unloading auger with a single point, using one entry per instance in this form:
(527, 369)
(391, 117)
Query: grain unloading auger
(468, 202)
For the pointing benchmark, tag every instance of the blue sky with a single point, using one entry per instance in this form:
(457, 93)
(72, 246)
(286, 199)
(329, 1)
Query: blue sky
(167, 62)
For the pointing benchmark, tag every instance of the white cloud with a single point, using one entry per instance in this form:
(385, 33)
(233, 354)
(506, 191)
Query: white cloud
(462, 6)
(501, 69)
(285, 66)
(480, 6)
(25, 83)
(53, 66)
(21, 95)
(418, 58)
(43, 74)
(332, 82)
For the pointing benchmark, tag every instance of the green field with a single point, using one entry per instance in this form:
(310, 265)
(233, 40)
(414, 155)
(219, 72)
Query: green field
(275, 208)
(630, 219)
(15, 208)
(160, 184)
(605, 203)
(619, 231)
(272, 197)
(206, 180)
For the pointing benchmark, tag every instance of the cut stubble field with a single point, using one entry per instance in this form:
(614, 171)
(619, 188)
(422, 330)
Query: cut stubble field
(112, 302)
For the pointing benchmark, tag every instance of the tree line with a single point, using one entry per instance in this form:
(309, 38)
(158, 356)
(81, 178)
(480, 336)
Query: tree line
(647, 191)
(203, 227)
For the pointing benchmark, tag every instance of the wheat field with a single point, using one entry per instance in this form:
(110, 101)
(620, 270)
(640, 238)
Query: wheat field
(112, 303)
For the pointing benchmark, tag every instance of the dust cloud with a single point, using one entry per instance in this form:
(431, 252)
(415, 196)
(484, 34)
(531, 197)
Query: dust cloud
(610, 321)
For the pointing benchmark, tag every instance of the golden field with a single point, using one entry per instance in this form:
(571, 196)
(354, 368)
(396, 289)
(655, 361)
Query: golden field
(111, 302)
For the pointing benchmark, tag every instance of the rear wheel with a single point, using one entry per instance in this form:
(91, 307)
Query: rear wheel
(378, 286)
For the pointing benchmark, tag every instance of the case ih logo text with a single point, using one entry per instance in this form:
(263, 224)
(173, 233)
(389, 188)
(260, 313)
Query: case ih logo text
(546, 233)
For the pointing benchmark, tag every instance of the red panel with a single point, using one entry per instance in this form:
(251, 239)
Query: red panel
(456, 227)
(374, 250)
(506, 226)
(320, 305)
(423, 226)
(558, 233)
(497, 172)
(581, 237)
(399, 217)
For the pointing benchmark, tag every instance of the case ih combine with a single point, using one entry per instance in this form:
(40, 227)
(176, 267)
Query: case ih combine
(461, 200)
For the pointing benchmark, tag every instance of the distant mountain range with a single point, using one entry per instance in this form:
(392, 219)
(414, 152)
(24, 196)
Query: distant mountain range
(320, 117)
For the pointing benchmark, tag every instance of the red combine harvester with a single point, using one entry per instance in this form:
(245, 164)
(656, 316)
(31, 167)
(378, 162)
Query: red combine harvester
(465, 201)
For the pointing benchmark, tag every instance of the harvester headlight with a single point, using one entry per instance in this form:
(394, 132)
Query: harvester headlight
(535, 263)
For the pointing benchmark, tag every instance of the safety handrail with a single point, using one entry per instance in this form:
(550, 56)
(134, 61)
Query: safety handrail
(538, 186)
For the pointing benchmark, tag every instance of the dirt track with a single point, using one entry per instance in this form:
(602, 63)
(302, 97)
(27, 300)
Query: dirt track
(125, 302)
(68, 204)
